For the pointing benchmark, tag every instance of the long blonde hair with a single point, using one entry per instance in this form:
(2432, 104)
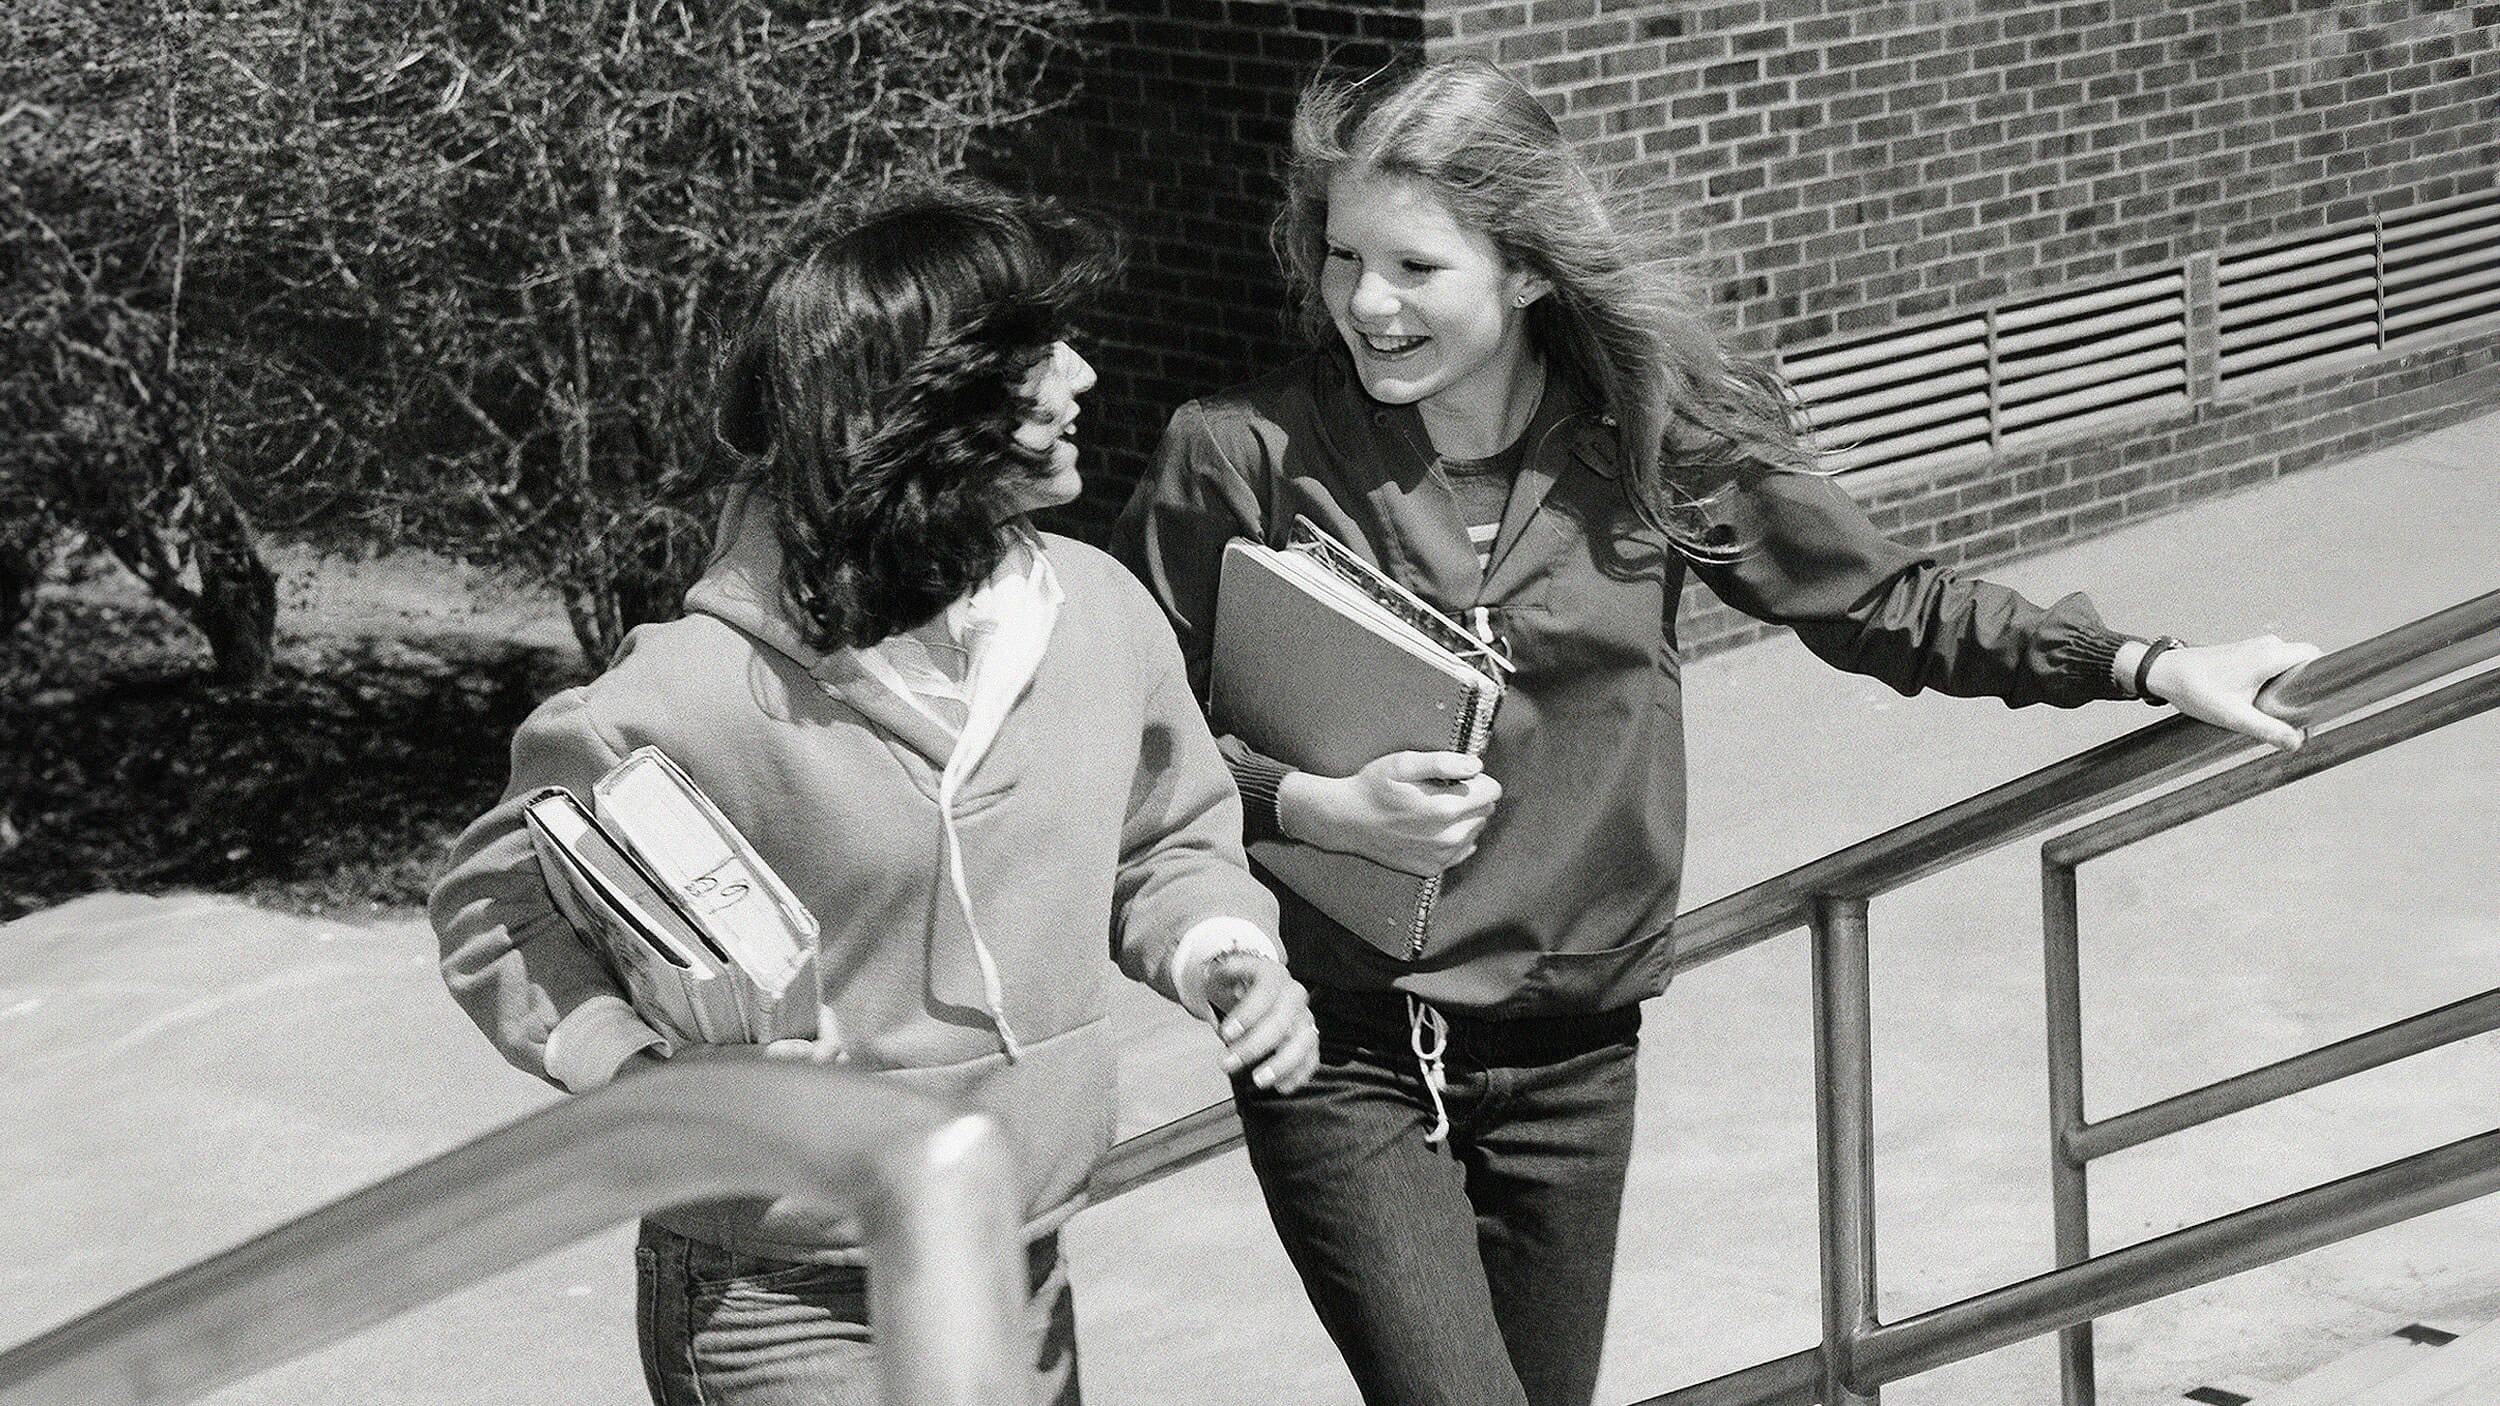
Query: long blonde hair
(1626, 319)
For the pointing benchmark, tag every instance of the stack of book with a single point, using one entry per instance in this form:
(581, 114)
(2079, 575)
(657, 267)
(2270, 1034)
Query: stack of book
(709, 943)
(1325, 663)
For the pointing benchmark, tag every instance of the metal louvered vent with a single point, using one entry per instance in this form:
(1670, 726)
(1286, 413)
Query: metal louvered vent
(2007, 376)
(2440, 265)
(1912, 395)
(2297, 303)
(2026, 373)
(2064, 363)
(2406, 274)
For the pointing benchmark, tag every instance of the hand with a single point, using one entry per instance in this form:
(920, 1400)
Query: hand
(1264, 1018)
(2218, 683)
(1416, 812)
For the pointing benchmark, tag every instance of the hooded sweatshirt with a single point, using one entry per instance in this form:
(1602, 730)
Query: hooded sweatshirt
(966, 910)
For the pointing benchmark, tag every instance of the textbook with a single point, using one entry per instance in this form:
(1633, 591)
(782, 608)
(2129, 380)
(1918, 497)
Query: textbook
(706, 939)
(1324, 662)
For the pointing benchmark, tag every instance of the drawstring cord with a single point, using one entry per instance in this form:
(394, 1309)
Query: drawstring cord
(993, 991)
(1428, 1034)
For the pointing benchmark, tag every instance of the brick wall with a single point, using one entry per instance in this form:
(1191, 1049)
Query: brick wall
(1175, 136)
(1845, 168)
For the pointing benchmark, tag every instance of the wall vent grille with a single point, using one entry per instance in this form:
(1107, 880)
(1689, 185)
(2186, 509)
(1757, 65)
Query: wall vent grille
(2065, 363)
(1912, 395)
(2000, 379)
(2442, 266)
(2028, 373)
(2407, 274)
(2293, 304)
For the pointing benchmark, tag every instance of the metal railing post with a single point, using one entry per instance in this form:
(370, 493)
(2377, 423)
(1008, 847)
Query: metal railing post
(1844, 1107)
(2069, 1193)
(945, 1306)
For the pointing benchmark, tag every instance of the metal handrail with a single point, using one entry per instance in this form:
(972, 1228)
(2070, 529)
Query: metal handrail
(1831, 894)
(2327, 689)
(2333, 687)
(2421, 1183)
(934, 1188)
(1859, 1353)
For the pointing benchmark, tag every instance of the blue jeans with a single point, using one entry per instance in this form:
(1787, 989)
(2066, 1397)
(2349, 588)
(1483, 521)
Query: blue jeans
(724, 1329)
(1475, 1270)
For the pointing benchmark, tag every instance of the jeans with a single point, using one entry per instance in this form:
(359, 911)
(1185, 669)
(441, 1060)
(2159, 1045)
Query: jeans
(1474, 1270)
(724, 1329)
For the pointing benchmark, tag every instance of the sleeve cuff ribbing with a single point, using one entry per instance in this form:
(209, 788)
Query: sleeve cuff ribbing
(594, 1040)
(1258, 777)
(2095, 653)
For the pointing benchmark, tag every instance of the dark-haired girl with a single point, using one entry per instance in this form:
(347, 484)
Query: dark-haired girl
(969, 747)
(1515, 406)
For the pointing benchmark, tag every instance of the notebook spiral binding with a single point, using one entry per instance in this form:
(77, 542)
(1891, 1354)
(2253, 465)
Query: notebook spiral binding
(1468, 730)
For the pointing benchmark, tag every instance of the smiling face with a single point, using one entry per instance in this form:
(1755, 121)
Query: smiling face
(1431, 311)
(1049, 428)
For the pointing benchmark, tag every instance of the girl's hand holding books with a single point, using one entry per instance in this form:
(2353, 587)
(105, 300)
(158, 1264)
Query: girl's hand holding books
(1416, 812)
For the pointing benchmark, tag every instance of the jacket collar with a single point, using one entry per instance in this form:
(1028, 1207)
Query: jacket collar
(1566, 436)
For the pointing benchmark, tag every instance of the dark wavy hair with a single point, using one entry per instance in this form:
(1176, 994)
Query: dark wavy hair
(873, 389)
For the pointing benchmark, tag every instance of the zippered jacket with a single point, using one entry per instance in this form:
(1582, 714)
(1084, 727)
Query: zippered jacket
(1100, 824)
(1565, 905)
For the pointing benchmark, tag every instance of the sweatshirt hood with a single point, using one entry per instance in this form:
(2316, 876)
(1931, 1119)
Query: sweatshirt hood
(743, 583)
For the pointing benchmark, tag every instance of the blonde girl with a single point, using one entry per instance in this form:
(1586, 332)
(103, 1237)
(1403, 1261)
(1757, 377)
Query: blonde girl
(1515, 406)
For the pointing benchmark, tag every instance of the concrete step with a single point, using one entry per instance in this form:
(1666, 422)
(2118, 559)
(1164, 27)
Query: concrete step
(2458, 1364)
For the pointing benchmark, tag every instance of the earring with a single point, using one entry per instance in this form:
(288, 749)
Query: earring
(1520, 301)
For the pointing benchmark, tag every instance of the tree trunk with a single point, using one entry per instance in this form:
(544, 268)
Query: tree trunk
(237, 607)
(23, 564)
(643, 580)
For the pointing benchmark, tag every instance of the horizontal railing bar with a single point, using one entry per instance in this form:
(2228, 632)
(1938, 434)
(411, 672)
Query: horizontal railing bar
(1157, 1153)
(2199, 1254)
(1794, 1380)
(2094, 777)
(2345, 681)
(936, 1188)
(2460, 1020)
(2412, 718)
(2342, 682)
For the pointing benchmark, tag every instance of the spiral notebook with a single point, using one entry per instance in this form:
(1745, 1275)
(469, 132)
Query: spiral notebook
(1323, 662)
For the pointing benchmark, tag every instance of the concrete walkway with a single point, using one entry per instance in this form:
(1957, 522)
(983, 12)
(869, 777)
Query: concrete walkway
(178, 1074)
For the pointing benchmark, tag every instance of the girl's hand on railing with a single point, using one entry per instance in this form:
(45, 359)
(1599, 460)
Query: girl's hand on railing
(2218, 683)
(1264, 1018)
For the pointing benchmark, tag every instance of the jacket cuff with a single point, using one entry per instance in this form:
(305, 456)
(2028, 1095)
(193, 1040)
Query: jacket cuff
(594, 1040)
(1258, 776)
(2093, 653)
(1197, 950)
